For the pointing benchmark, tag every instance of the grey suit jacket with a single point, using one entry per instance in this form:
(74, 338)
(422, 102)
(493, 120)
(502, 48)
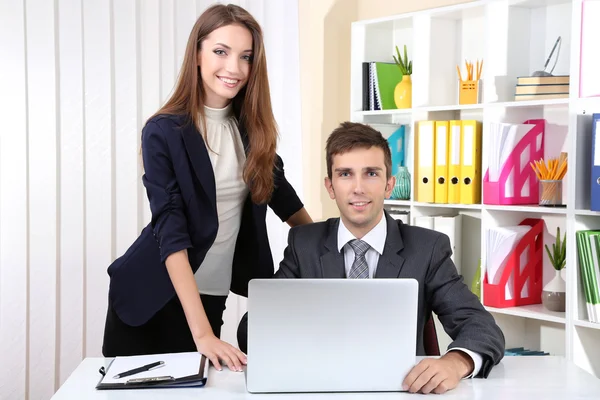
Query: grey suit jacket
(409, 252)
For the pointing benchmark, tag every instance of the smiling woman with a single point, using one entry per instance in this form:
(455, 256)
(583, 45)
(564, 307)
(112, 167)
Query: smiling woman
(225, 67)
(210, 170)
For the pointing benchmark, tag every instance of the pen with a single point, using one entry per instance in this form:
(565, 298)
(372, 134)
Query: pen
(552, 52)
(144, 368)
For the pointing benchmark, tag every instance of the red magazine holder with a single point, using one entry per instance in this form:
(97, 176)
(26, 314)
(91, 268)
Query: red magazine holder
(494, 295)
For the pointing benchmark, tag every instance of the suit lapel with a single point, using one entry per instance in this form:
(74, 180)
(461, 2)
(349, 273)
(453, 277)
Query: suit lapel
(332, 261)
(198, 155)
(390, 262)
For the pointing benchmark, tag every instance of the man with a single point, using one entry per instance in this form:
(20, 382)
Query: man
(359, 179)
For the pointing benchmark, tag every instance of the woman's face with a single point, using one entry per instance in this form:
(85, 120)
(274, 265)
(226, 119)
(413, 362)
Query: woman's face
(225, 59)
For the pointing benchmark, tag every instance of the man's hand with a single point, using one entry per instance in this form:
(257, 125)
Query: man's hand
(439, 375)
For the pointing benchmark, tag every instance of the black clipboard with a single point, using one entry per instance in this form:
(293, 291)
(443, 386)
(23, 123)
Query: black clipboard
(163, 381)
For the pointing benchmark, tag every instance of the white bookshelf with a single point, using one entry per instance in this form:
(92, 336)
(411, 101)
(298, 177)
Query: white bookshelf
(514, 38)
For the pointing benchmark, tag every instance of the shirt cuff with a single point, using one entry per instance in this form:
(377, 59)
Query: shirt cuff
(477, 360)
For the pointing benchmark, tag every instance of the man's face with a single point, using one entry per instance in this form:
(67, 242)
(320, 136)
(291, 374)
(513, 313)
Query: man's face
(358, 184)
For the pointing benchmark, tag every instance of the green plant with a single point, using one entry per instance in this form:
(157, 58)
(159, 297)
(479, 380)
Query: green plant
(558, 255)
(403, 63)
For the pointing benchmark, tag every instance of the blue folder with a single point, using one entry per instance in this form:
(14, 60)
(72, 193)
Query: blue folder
(397, 148)
(595, 181)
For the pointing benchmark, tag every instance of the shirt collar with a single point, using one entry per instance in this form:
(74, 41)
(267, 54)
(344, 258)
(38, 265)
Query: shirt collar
(374, 238)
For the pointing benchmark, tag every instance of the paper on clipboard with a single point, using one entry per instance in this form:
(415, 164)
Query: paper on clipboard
(177, 366)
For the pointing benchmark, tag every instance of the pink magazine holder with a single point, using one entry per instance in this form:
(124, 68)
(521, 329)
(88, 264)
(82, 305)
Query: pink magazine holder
(495, 192)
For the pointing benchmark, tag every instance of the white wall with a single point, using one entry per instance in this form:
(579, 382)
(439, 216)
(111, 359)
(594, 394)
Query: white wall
(77, 80)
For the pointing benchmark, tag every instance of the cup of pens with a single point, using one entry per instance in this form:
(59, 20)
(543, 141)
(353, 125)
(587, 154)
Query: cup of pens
(550, 174)
(469, 90)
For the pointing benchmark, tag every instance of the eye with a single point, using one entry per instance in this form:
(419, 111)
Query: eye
(373, 174)
(247, 58)
(219, 52)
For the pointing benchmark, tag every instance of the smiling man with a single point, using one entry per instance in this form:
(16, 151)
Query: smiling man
(365, 242)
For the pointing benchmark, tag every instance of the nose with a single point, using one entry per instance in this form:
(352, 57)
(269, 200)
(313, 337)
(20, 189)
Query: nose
(232, 66)
(358, 185)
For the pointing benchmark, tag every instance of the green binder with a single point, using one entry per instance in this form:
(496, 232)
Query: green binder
(385, 79)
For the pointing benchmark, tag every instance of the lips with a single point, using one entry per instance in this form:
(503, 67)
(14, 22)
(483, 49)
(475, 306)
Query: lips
(229, 82)
(360, 203)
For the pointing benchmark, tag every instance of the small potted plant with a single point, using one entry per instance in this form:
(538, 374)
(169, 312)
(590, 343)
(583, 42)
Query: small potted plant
(554, 293)
(403, 90)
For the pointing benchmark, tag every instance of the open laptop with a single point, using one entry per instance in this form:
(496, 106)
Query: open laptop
(330, 335)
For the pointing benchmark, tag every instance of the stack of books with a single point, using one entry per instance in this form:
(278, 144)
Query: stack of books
(521, 351)
(542, 87)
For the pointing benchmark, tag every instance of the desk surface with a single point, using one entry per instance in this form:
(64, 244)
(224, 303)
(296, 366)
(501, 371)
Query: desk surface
(523, 377)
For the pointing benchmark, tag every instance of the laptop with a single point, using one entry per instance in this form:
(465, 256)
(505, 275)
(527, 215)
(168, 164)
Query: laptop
(330, 335)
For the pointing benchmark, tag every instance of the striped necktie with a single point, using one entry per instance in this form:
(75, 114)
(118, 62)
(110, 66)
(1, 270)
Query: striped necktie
(359, 269)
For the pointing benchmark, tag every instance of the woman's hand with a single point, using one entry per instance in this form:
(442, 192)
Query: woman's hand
(217, 350)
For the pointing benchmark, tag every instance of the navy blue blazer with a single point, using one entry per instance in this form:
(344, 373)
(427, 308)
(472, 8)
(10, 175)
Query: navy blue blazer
(180, 184)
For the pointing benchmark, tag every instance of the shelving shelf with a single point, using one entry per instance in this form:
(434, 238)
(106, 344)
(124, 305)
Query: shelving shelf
(534, 311)
(459, 107)
(587, 324)
(587, 212)
(527, 209)
(514, 38)
(491, 207)
(440, 205)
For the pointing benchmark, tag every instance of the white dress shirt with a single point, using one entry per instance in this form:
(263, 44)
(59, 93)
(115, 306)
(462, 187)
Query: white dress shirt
(375, 238)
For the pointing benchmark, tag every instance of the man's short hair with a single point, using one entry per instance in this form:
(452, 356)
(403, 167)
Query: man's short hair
(353, 135)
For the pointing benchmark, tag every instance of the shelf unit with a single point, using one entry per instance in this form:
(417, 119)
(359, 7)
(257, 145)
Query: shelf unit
(513, 37)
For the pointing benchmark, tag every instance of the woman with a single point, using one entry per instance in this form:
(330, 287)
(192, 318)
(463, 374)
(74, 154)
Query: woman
(210, 170)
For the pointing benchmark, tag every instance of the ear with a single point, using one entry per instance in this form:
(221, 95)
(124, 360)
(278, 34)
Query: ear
(329, 187)
(389, 186)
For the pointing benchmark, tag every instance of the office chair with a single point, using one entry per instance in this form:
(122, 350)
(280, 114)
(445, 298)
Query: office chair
(430, 340)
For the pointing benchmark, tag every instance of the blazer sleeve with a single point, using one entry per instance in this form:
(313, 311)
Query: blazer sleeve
(169, 222)
(284, 201)
(289, 267)
(461, 313)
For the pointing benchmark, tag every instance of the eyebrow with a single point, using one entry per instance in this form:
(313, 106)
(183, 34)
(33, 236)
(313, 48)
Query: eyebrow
(229, 48)
(366, 169)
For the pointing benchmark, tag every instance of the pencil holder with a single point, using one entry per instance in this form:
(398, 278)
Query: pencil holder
(468, 92)
(551, 193)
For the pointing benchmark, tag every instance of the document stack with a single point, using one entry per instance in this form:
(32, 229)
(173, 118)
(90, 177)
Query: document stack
(402, 215)
(542, 87)
(451, 227)
(448, 162)
(521, 351)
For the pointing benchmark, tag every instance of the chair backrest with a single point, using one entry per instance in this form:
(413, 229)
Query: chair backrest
(430, 340)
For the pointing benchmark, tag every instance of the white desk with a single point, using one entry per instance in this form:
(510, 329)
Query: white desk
(524, 377)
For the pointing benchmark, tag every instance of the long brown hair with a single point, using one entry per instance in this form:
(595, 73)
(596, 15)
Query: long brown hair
(252, 104)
